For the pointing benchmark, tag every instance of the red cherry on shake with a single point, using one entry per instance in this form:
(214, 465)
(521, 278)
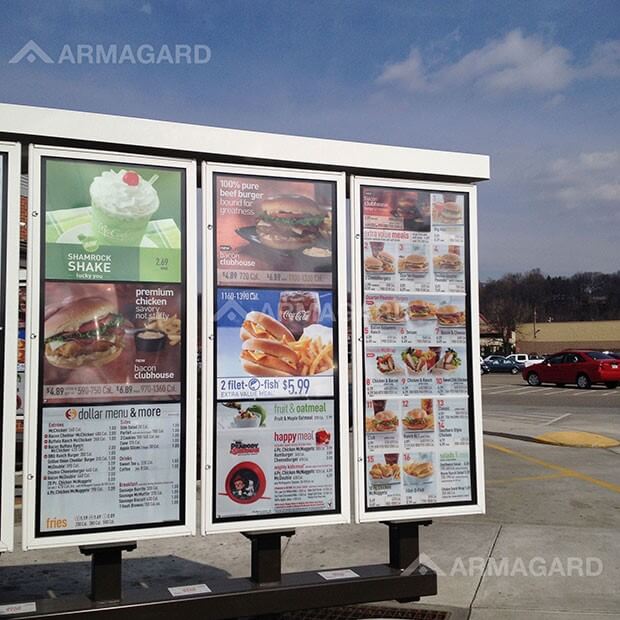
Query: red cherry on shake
(131, 178)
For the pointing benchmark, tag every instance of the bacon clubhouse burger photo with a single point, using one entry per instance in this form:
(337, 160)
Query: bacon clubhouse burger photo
(290, 222)
(86, 332)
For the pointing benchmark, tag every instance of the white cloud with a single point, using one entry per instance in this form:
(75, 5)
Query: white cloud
(147, 8)
(516, 62)
(588, 179)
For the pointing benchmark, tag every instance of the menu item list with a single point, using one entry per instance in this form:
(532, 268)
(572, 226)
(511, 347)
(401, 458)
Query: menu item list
(416, 427)
(105, 466)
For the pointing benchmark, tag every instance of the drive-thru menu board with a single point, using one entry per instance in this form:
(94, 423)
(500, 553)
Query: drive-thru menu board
(9, 253)
(109, 430)
(416, 421)
(275, 336)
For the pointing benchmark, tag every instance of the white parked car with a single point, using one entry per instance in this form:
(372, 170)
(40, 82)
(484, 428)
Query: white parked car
(525, 358)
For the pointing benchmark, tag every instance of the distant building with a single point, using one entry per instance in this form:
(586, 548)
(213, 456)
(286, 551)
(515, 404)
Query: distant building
(490, 338)
(555, 336)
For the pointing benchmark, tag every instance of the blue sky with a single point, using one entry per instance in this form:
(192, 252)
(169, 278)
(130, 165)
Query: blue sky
(536, 85)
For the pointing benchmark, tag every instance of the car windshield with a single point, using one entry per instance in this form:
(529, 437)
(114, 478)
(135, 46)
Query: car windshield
(599, 355)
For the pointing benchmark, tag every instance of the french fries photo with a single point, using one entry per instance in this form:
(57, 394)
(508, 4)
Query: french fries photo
(171, 326)
(315, 356)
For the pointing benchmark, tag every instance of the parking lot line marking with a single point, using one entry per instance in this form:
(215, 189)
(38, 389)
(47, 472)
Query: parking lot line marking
(526, 478)
(512, 389)
(610, 486)
(561, 417)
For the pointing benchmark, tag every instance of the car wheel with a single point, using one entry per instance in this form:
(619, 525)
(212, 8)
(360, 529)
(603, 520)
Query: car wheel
(514, 371)
(533, 379)
(583, 382)
(611, 385)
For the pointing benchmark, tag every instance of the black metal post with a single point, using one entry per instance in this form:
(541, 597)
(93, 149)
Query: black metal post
(106, 570)
(266, 555)
(405, 548)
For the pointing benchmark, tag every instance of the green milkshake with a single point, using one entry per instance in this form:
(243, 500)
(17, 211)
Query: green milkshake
(122, 206)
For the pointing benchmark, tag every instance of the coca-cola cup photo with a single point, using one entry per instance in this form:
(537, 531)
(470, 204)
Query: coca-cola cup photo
(376, 247)
(298, 310)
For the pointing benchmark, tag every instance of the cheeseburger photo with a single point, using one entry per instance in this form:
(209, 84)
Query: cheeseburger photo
(372, 263)
(421, 309)
(85, 332)
(416, 263)
(449, 213)
(290, 222)
(448, 262)
(450, 316)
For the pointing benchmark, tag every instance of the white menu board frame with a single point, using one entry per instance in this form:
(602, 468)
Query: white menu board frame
(400, 511)
(210, 525)
(32, 538)
(10, 164)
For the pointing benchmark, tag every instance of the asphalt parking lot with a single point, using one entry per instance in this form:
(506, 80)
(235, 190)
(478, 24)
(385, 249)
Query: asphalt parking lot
(510, 405)
(505, 389)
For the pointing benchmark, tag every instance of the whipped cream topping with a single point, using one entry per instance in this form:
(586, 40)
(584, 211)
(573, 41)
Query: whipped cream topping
(110, 193)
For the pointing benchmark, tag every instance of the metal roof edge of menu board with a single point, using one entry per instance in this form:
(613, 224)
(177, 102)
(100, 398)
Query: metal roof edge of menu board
(279, 459)
(157, 135)
(10, 161)
(417, 416)
(110, 437)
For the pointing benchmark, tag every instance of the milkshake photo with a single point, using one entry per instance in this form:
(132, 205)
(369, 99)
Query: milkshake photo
(122, 206)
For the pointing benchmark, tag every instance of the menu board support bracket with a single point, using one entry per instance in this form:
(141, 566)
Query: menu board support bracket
(266, 555)
(106, 570)
(404, 542)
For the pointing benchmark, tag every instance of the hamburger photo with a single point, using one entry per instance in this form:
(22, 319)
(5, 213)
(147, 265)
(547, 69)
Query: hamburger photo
(450, 316)
(420, 309)
(418, 420)
(85, 332)
(416, 263)
(373, 264)
(261, 325)
(387, 260)
(388, 312)
(406, 205)
(449, 213)
(261, 357)
(448, 262)
(289, 222)
(382, 422)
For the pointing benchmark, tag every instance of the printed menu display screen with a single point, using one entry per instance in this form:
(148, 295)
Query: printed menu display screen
(3, 457)
(111, 417)
(276, 439)
(418, 419)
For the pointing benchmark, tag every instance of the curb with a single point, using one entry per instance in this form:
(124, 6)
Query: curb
(577, 439)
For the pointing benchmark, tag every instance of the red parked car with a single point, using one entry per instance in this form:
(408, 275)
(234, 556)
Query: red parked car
(579, 366)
